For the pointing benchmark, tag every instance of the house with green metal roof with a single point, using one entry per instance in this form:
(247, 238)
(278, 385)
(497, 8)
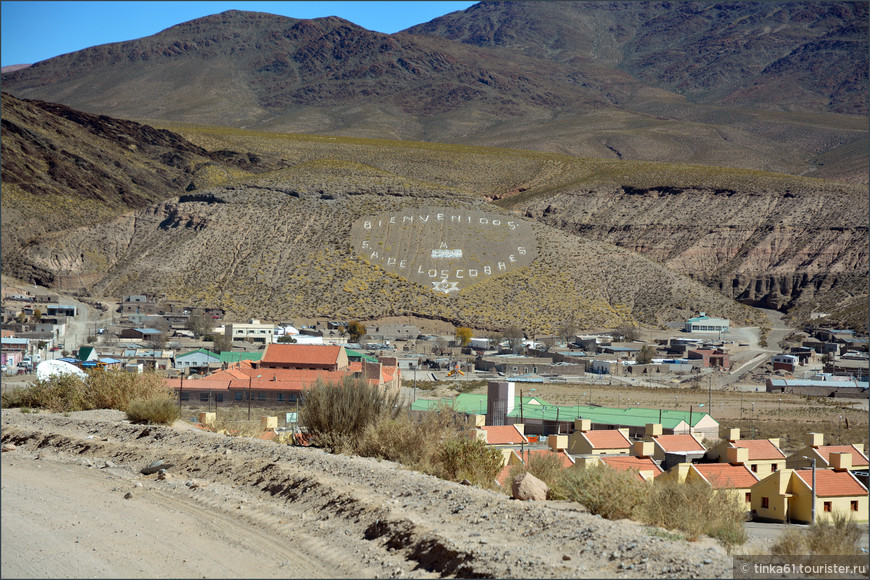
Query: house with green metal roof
(231, 356)
(704, 323)
(540, 417)
(196, 359)
(87, 353)
(356, 356)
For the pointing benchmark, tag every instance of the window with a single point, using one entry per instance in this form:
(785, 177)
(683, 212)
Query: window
(754, 468)
(854, 505)
(185, 396)
(203, 396)
(748, 497)
(765, 502)
(280, 397)
(219, 397)
(773, 467)
(239, 396)
(828, 506)
(261, 396)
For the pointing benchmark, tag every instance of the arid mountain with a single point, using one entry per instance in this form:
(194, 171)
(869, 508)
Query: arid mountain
(775, 87)
(62, 168)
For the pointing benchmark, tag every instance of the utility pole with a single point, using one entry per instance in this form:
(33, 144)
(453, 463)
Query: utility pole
(710, 396)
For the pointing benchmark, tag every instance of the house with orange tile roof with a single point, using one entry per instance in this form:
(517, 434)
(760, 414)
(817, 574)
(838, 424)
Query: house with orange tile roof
(671, 449)
(815, 449)
(500, 434)
(736, 477)
(585, 441)
(787, 495)
(763, 458)
(640, 461)
(284, 373)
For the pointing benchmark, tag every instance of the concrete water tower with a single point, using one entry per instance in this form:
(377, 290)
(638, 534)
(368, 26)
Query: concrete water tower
(499, 401)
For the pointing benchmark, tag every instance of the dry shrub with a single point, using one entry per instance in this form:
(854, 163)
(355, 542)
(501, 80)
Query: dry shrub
(234, 421)
(838, 537)
(101, 390)
(412, 440)
(337, 415)
(548, 468)
(153, 411)
(605, 491)
(470, 459)
(694, 507)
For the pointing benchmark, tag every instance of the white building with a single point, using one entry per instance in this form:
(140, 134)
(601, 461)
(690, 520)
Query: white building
(253, 330)
(704, 323)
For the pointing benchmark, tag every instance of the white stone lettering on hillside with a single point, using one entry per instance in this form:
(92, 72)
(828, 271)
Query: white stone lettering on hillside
(445, 249)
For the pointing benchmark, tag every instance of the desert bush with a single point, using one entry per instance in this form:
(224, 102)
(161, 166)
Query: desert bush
(67, 393)
(695, 508)
(838, 537)
(234, 421)
(153, 411)
(337, 415)
(413, 441)
(605, 491)
(470, 459)
(548, 468)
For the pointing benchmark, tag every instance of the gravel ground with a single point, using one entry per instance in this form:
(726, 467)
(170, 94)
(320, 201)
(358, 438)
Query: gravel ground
(303, 512)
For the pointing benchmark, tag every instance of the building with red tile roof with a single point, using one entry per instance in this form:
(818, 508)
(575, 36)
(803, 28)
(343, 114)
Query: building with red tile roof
(787, 495)
(646, 468)
(822, 454)
(735, 477)
(304, 356)
(585, 441)
(763, 456)
(502, 435)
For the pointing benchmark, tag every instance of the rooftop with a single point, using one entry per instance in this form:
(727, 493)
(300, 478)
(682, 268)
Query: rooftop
(830, 483)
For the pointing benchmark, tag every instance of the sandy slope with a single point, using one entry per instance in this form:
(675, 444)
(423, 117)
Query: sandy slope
(258, 509)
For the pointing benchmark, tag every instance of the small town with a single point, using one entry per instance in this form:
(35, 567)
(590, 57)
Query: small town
(500, 384)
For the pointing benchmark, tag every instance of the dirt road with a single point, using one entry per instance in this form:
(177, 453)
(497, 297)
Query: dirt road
(236, 507)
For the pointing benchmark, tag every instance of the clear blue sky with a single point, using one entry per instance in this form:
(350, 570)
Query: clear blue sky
(34, 31)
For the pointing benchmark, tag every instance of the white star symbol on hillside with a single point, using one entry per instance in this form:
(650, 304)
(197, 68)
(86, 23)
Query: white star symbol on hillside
(445, 286)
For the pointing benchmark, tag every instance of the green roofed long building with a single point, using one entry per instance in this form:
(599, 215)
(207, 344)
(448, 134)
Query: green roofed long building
(542, 418)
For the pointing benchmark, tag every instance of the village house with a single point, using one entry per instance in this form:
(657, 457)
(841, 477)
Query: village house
(735, 477)
(252, 331)
(787, 495)
(704, 323)
(284, 372)
(639, 461)
(672, 449)
(585, 441)
(710, 358)
(815, 449)
(763, 455)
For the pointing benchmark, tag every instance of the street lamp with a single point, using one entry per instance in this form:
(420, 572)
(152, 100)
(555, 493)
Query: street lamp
(813, 459)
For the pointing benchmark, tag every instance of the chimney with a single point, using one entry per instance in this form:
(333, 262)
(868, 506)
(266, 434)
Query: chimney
(477, 434)
(737, 455)
(588, 460)
(815, 439)
(653, 430)
(478, 420)
(642, 449)
(733, 435)
(840, 461)
(582, 425)
(682, 470)
(557, 442)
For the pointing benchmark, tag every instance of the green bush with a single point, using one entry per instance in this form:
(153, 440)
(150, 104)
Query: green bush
(605, 491)
(337, 415)
(153, 411)
(469, 459)
(695, 508)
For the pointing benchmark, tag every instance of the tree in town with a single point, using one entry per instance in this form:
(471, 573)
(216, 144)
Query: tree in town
(628, 332)
(356, 330)
(514, 336)
(222, 343)
(646, 354)
(200, 324)
(463, 335)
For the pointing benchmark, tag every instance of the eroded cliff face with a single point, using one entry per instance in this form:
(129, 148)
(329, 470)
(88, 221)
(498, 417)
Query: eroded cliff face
(765, 248)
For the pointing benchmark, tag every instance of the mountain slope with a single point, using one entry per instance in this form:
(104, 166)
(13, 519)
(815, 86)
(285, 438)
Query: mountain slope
(743, 87)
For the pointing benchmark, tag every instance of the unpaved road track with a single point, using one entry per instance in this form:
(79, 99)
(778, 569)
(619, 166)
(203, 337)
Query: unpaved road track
(258, 509)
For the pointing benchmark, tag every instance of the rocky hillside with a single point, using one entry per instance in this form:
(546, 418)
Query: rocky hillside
(774, 87)
(279, 248)
(63, 169)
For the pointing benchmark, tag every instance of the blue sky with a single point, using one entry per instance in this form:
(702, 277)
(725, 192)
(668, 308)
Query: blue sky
(34, 31)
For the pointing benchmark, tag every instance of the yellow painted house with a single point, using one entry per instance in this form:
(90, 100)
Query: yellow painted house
(584, 441)
(821, 453)
(787, 495)
(734, 477)
(763, 458)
